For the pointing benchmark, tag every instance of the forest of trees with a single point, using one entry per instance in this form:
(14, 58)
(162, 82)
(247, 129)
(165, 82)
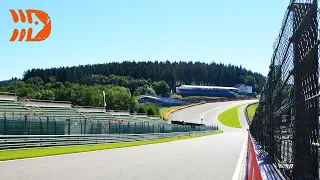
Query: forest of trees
(83, 85)
(118, 94)
(174, 74)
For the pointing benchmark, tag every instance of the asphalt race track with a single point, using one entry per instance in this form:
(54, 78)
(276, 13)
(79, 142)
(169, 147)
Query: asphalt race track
(211, 157)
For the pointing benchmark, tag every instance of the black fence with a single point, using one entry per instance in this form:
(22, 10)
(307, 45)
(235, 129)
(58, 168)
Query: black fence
(286, 123)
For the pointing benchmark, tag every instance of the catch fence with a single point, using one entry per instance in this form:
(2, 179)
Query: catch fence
(286, 123)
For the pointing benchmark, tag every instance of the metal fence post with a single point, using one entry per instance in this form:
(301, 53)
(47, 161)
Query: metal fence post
(129, 128)
(91, 127)
(143, 128)
(55, 126)
(163, 130)
(41, 133)
(80, 126)
(5, 125)
(47, 125)
(116, 131)
(85, 126)
(25, 125)
(109, 127)
(69, 124)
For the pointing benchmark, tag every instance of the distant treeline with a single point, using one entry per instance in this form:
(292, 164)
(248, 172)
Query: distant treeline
(119, 91)
(174, 74)
(5, 83)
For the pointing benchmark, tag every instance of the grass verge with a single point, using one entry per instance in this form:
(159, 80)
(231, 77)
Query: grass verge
(230, 117)
(164, 111)
(39, 152)
(252, 110)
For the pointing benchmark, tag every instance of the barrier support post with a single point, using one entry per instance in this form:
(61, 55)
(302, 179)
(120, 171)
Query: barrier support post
(5, 126)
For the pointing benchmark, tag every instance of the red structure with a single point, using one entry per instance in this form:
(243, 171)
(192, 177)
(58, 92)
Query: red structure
(253, 171)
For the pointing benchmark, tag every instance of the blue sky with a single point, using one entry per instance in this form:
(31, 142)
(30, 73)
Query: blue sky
(100, 31)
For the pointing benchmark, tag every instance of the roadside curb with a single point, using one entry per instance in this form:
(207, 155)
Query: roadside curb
(166, 116)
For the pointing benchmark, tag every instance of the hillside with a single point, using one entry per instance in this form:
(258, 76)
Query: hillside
(174, 74)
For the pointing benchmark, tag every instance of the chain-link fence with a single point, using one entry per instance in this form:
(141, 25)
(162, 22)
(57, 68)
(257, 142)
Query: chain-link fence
(286, 123)
(26, 124)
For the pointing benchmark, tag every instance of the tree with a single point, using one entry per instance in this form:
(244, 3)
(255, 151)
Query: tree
(47, 95)
(142, 109)
(145, 90)
(250, 81)
(122, 74)
(133, 105)
(162, 88)
(149, 109)
(35, 82)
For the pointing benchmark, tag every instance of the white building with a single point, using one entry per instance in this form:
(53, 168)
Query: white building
(243, 89)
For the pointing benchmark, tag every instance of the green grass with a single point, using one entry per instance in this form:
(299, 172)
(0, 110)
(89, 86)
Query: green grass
(230, 117)
(251, 110)
(39, 152)
(164, 111)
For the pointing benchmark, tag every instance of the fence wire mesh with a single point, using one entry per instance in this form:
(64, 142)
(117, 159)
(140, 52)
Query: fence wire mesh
(286, 122)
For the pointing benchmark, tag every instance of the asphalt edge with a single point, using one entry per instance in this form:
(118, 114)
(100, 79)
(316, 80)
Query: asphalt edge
(166, 116)
(240, 171)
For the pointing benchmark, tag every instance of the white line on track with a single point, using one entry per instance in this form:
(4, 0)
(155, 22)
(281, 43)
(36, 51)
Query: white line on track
(237, 173)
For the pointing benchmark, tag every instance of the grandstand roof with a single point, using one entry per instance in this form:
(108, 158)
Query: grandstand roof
(163, 99)
(206, 87)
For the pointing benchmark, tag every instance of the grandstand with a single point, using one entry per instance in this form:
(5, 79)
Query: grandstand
(35, 117)
(160, 101)
(218, 91)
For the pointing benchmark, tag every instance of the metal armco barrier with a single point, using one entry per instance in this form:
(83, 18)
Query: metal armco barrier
(32, 141)
(253, 171)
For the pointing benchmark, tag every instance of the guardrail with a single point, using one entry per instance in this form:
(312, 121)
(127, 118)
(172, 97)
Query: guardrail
(34, 141)
(36, 124)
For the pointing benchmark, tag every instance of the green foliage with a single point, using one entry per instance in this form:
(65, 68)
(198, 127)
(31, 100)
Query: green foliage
(47, 95)
(175, 96)
(145, 90)
(136, 74)
(5, 83)
(35, 82)
(250, 81)
(150, 109)
(117, 98)
(142, 109)
(161, 88)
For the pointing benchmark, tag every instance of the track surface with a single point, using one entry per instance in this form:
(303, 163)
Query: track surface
(210, 157)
